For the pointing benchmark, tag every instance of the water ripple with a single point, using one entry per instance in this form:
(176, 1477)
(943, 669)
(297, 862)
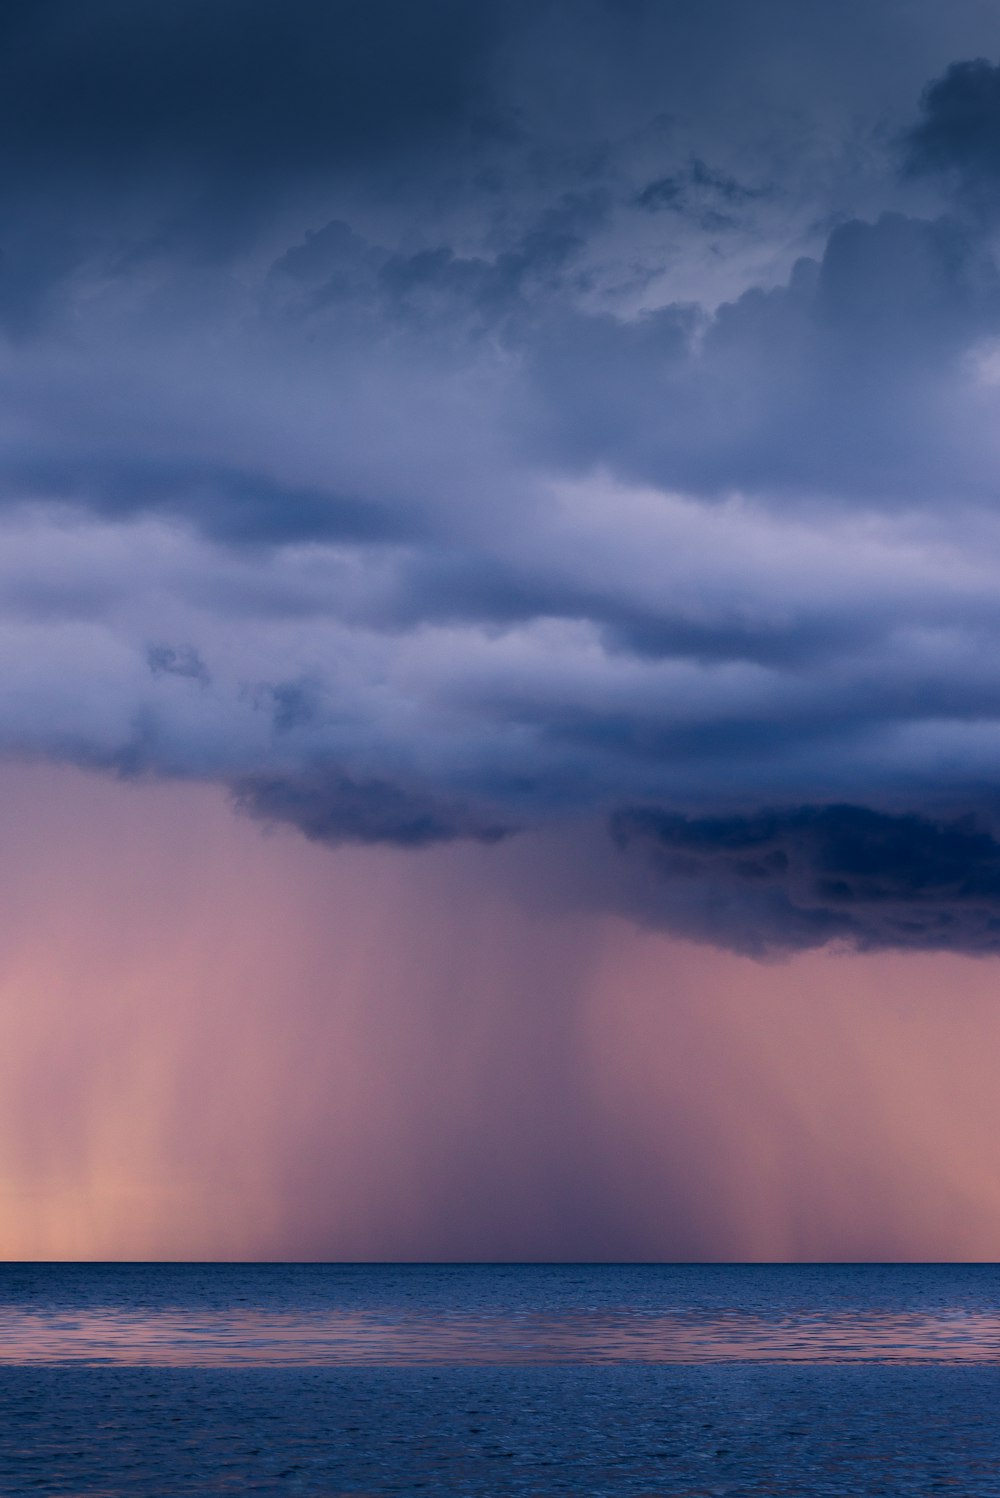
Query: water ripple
(338, 1337)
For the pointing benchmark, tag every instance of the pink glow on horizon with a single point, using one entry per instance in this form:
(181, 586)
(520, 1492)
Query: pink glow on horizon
(218, 1043)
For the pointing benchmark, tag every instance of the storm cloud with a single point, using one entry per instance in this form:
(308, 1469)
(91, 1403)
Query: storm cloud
(958, 132)
(428, 444)
(798, 878)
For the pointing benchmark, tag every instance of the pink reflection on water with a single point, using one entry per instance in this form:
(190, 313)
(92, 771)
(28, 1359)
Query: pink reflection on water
(345, 1338)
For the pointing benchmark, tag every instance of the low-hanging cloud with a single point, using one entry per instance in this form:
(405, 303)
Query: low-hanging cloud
(801, 877)
(330, 807)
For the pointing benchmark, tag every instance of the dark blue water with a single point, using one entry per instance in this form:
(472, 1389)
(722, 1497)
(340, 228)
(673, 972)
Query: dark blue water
(492, 1380)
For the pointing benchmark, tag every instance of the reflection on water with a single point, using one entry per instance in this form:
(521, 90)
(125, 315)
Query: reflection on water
(742, 1381)
(347, 1337)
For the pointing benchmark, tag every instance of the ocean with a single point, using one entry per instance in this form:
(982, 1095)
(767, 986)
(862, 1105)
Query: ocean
(330, 1380)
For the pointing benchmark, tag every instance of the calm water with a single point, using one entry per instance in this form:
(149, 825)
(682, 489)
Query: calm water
(365, 1380)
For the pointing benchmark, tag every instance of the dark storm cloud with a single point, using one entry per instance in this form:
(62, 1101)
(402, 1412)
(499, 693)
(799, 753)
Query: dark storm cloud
(958, 133)
(234, 88)
(329, 806)
(130, 129)
(789, 879)
(437, 420)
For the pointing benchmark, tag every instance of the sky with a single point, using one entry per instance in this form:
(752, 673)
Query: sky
(498, 628)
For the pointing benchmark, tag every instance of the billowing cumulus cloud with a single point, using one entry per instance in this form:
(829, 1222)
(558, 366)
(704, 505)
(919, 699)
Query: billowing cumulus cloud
(427, 445)
(958, 133)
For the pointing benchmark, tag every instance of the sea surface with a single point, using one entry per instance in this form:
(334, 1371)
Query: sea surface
(330, 1380)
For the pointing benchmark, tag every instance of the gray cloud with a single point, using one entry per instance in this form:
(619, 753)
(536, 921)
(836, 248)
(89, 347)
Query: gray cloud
(958, 133)
(178, 660)
(790, 879)
(233, 90)
(696, 190)
(834, 386)
(429, 441)
(331, 807)
(225, 504)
